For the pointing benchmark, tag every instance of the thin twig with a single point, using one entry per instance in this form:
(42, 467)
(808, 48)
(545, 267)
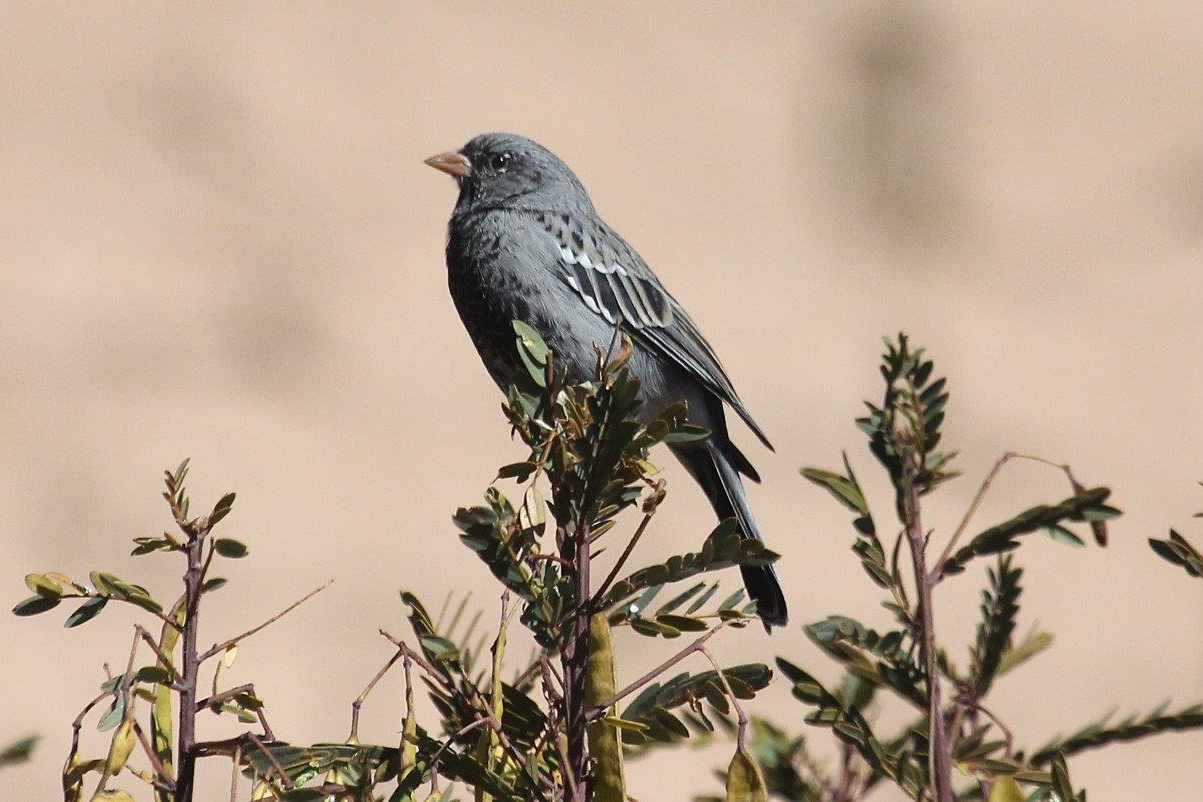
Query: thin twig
(1097, 527)
(528, 673)
(977, 500)
(164, 660)
(622, 558)
(68, 790)
(267, 730)
(696, 646)
(479, 699)
(407, 751)
(422, 662)
(940, 757)
(225, 696)
(285, 780)
(550, 558)
(221, 647)
(740, 716)
(359, 700)
(565, 764)
(514, 754)
(160, 770)
(550, 678)
(234, 772)
(127, 710)
(434, 760)
(843, 792)
(1008, 736)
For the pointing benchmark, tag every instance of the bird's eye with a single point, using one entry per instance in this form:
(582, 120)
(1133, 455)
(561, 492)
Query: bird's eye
(500, 162)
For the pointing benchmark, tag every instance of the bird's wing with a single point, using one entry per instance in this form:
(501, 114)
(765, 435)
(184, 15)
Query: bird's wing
(615, 282)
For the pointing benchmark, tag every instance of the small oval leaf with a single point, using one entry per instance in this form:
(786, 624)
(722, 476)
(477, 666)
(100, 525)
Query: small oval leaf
(228, 547)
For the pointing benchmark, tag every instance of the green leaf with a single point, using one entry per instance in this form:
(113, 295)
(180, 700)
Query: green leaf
(439, 648)
(1102, 732)
(1032, 645)
(221, 509)
(683, 623)
(844, 489)
(1000, 606)
(113, 716)
(672, 604)
(650, 707)
(853, 729)
(43, 585)
(869, 657)
(18, 751)
(652, 628)
(1178, 551)
(153, 674)
(531, 342)
(35, 604)
(731, 601)
(145, 602)
(1002, 537)
(687, 433)
(303, 795)
(700, 601)
(86, 611)
(516, 470)
(145, 545)
(228, 547)
(1063, 535)
(717, 553)
(106, 583)
(1061, 785)
(532, 351)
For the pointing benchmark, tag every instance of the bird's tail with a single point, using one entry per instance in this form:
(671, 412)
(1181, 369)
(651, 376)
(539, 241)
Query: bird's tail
(714, 466)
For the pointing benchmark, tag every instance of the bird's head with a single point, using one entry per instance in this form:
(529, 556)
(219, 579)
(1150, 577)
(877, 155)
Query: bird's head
(510, 171)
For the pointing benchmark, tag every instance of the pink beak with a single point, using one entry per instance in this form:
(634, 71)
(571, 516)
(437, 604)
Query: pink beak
(451, 163)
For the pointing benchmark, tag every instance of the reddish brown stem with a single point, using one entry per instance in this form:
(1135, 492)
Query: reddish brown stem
(940, 759)
(190, 675)
(575, 549)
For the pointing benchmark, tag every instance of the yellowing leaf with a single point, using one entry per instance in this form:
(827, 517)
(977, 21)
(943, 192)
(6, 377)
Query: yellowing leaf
(1005, 789)
(744, 780)
(112, 795)
(121, 747)
(605, 745)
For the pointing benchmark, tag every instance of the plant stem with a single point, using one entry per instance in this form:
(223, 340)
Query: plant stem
(977, 500)
(221, 647)
(189, 677)
(575, 660)
(740, 716)
(622, 558)
(843, 792)
(940, 755)
(696, 646)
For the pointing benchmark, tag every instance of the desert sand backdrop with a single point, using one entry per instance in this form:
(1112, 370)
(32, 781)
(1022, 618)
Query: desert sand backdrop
(217, 240)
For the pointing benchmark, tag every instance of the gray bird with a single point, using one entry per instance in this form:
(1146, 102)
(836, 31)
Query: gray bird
(525, 243)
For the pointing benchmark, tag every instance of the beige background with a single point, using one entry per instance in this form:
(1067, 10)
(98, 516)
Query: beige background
(217, 239)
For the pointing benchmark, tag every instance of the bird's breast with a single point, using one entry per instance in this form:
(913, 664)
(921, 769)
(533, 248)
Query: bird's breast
(498, 272)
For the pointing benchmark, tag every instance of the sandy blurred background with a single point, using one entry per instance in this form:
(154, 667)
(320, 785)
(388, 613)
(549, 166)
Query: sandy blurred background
(218, 240)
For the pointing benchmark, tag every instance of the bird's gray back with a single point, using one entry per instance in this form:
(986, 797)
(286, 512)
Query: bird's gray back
(502, 265)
